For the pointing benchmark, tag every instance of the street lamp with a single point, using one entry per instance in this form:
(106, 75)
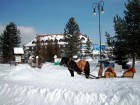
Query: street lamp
(99, 7)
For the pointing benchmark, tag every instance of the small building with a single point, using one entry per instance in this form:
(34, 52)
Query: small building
(18, 52)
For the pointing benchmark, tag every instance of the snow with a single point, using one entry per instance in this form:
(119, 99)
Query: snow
(53, 85)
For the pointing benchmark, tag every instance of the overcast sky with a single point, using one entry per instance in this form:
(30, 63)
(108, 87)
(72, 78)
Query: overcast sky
(50, 16)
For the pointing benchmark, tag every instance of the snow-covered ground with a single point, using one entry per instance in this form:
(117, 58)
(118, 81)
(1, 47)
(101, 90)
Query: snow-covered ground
(53, 85)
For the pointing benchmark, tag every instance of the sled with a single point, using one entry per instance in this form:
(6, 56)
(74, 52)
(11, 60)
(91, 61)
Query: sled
(110, 73)
(129, 73)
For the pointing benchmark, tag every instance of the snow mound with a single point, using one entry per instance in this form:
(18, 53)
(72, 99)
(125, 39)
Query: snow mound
(53, 85)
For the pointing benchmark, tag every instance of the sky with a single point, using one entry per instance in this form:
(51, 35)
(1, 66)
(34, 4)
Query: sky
(34, 17)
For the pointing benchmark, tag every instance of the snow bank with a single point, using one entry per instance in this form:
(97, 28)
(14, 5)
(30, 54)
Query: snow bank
(53, 85)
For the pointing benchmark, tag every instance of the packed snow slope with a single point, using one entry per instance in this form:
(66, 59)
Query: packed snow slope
(53, 85)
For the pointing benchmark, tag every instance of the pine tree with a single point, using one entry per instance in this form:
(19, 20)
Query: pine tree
(110, 46)
(44, 53)
(56, 48)
(50, 51)
(127, 39)
(119, 41)
(108, 38)
(9, 39)
(132, 19)
(89, 47)
(38, 50)
(72, 38)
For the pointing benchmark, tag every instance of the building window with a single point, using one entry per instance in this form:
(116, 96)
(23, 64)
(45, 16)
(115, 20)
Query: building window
(82, 38)
(33, 42)
(42, 41)
(61, 40)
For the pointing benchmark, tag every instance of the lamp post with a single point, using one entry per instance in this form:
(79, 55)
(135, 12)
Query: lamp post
(99, 7)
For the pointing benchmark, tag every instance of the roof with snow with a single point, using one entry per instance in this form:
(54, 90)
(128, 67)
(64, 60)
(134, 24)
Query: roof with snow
(18, 50)
(59, 37)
